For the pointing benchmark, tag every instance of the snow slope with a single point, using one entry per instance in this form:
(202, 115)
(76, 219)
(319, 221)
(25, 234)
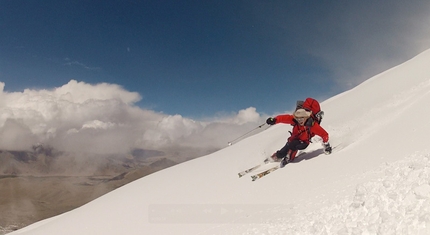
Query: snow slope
(375, 182)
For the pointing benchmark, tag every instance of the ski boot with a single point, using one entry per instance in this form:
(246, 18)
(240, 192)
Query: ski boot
(284, 161)
(275, 158)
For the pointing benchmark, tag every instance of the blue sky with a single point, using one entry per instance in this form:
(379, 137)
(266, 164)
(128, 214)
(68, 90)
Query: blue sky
(202, 58)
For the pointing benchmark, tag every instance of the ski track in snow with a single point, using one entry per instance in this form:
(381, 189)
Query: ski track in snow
(396, 203)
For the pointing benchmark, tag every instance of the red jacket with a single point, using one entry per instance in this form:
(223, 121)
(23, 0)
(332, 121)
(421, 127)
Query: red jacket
(303, 133)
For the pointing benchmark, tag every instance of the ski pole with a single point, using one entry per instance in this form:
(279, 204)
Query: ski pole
(247, 133)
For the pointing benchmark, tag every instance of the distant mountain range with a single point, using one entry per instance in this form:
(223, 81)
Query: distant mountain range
(41, 183)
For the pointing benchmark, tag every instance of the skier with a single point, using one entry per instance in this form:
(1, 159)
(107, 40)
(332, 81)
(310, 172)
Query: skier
(304, 128)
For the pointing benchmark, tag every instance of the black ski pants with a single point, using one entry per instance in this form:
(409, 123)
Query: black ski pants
(292, 145)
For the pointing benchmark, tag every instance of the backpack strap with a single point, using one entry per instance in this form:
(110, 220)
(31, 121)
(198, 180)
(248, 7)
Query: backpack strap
(310, 122)
(307, 129)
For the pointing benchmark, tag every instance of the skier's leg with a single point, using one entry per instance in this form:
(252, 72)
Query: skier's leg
(296, 145)
(293, 155)
(289, 151)
(283, 151)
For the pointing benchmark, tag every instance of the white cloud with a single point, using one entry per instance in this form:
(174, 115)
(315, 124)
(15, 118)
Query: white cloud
(353, 40)
(247, 115)
(362, 39)
(14, 134)
(103, 118)
(96, 124)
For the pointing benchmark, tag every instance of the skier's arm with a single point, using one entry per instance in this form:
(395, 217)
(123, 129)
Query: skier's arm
(318, 130)
(285, 118)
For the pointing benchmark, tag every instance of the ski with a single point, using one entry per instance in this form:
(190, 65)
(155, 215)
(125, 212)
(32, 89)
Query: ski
(264, 173)
(266, 161)
(270, 170)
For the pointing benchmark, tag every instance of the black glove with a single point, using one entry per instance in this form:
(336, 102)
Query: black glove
(327, 148)
(271, 121)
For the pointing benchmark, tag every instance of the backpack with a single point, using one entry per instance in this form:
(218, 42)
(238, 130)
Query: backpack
(311, 105)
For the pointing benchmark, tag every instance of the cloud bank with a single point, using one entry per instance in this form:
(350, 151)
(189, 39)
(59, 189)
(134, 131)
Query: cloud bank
(352, 40)
(358, 40)
(103, 119)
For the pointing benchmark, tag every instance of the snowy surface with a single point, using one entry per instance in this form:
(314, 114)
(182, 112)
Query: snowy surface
(377, 180)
